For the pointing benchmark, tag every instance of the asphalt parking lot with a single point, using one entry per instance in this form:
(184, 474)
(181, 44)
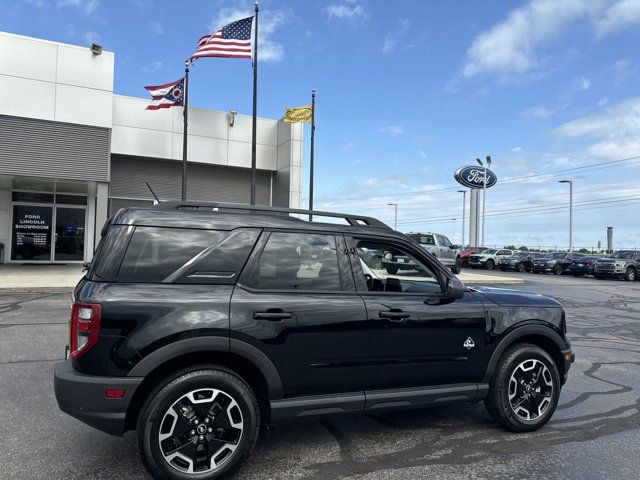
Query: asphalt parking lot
(594, 434)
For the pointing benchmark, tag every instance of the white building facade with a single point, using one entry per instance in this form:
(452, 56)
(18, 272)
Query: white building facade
(72, 152)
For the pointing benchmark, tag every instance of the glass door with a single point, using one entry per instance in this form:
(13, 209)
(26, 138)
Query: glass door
(69, 234)
(31, 238)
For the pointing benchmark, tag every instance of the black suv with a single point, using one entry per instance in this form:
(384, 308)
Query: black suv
(555, 262)
(200, 324)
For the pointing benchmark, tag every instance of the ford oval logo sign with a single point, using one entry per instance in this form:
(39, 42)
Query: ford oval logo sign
(473, 177)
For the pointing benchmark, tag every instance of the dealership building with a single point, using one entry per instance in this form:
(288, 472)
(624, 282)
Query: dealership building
(72, 152)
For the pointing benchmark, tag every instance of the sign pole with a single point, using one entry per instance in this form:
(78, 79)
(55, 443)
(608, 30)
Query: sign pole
(311, 166)
(185, 113)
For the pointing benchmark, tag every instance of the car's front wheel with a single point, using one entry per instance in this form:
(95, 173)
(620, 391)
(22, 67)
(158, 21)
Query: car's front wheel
(457, 267)
(521, 267)
(200, 425)
(490, 264)
(630, 274)
(525, 388)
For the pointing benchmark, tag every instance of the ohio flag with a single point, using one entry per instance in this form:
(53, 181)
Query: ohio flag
(167, 95)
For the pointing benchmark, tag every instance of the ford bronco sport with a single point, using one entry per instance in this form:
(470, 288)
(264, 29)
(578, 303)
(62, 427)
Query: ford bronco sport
(198, 325)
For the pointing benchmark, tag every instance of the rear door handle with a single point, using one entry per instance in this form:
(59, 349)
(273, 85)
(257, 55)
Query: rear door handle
(394, 315)
(274, 315)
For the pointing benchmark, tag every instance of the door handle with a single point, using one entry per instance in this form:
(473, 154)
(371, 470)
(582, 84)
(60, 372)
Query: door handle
(273, 315)
(394, 315)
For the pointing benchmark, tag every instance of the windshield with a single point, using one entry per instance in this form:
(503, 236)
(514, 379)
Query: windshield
(556, 255)
(423, 239)
(623, 255)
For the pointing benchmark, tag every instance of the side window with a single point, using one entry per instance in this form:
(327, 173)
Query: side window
(444, 241)
(154, 253)
(504, 252)
(388, 268)
(297, 261)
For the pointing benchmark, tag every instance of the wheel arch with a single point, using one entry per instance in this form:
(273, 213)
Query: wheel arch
(539, 335)
(235, 356)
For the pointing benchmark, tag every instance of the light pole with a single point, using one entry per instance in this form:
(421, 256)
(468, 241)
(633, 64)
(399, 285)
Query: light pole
(395, 217)
(464, 204)
(570, 182)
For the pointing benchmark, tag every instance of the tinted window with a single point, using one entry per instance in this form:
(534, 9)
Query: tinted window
(423, 239)
(297, 261)
(444, 241)
(387, 268)
(155, 253)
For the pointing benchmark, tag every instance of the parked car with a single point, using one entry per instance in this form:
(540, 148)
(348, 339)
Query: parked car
(521, 261)
(440, 246)
(555, 262)
(488, 259)
(198, 324)
(583, 266)
(620, 264)
(467, 251)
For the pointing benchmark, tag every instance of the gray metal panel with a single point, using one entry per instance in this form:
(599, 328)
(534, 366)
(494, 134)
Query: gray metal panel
(204, 182)
(42, 148)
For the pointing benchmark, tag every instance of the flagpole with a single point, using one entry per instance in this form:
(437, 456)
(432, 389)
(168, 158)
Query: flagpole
(313, 131)
(185, 112)
(255, 102)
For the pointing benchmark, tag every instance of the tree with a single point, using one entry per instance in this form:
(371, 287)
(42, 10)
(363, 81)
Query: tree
(583, 250)
(510, 247)
(523, 249)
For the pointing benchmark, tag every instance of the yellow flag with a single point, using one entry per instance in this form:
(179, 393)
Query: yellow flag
(298, 114)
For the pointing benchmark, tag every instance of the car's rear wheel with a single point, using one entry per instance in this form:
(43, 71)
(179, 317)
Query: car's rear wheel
(525, 388)
(200, 425)
(489, 264)
(520, 267)
(457, 267)
(630, 274)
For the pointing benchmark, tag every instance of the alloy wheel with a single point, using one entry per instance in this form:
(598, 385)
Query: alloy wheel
(200, 431)
(530, 390)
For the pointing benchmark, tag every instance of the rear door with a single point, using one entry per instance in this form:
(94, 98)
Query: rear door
(419, 339)
(296, 302)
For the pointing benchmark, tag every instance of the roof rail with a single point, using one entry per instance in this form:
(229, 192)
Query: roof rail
(187, 205)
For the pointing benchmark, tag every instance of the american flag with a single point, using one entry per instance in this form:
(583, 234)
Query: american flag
(167, 95)
(232, 40)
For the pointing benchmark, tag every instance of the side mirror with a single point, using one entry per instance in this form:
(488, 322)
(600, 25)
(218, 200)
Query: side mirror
(455, 288)
(453, 247)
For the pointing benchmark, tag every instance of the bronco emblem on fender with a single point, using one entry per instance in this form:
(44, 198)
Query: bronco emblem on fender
(469, 343)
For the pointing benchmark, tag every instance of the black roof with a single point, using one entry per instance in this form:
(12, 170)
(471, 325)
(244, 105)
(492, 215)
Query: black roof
(221, 216)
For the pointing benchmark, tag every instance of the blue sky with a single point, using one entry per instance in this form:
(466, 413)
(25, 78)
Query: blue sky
(408, 91)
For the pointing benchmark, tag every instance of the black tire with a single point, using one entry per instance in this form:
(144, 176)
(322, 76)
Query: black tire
(630, 274)
(557, 270)
(489, 264)
(155, 412)
(503, 269)
(499, 405)
(457, 268)
(520, 267)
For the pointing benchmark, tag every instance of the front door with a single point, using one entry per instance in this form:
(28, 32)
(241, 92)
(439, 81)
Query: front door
(69, 234)
(31, 235)
(418, 338)
(296, 302)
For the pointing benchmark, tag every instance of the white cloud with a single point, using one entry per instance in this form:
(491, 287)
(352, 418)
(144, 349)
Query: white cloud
(623, 70)
(392, 130)
(615, 130)
(515, 46)
(581, 84)
(92, 37)
(152, 67)
(539, 112)
(422, 154)
(516, 149)
(88, 7)
(621, 14)
(391, 39)
(349, 11)
(270, 21)
(156, 27)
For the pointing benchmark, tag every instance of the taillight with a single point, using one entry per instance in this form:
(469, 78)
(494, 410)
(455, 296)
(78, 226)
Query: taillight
(85, 327)
(589, 264)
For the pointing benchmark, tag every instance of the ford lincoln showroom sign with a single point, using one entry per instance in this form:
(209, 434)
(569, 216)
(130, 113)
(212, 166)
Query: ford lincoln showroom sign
(473, 177)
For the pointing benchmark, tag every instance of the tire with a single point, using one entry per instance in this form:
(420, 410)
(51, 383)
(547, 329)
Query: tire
(630, 274)
(457, 268)
(503, 269)
(521, 413)
(520, 267)
(489, 264)
(557, 270)
(236, 420)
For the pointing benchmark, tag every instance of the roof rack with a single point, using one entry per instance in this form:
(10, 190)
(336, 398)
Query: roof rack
(351, 219)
